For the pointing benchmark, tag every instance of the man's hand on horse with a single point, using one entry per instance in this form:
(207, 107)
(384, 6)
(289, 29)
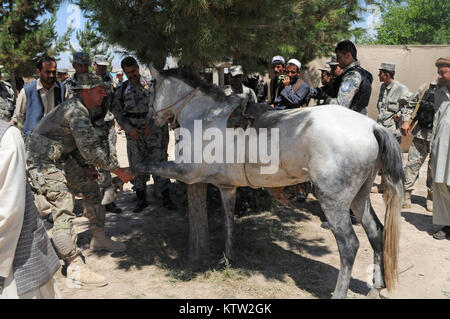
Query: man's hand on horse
(124, 174)
(405, 128)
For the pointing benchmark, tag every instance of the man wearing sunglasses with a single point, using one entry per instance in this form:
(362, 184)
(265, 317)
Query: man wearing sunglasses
(293, 92)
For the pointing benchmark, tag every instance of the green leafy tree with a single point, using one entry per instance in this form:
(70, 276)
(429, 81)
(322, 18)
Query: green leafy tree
(92, 42)
(200, 33)
(415, 22)
(25, 36)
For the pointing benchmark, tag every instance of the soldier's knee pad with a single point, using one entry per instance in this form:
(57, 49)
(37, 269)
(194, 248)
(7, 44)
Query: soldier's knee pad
(64, 242)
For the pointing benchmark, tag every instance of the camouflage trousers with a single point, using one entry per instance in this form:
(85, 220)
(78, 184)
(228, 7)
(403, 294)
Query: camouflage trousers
(151, 148)
(109, 138)
(57, 182)
(417, 154)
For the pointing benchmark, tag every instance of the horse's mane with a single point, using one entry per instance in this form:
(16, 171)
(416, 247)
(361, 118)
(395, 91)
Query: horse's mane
(192, 79)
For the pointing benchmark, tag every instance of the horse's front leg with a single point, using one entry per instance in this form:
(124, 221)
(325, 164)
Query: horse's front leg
(228, 203)
(184, 172)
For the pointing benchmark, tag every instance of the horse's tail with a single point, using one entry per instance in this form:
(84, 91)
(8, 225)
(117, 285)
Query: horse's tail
(390, 158)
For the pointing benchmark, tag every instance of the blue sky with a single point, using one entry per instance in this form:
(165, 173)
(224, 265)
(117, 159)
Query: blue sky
(70, 12)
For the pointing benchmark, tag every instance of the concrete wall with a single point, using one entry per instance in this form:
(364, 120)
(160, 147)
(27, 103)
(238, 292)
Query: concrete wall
(414, 66)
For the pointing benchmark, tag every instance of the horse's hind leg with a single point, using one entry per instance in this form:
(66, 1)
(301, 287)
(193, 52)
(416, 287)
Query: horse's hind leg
(228, 203)
(374, 229)
(348, 244)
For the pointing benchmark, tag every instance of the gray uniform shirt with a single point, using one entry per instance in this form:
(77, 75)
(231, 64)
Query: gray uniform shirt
(391, 100)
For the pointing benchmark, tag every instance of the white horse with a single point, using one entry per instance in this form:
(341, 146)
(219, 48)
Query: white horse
(337, 149)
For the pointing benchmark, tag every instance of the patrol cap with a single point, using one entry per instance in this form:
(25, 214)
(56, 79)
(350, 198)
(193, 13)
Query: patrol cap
(236, 70)
(62, 70)
(443, 62)
(101, 59)
(88, 81)
(278, 59)
(387, 67)
(117, 71)
(295, 62)
(81, 58)
(333, 61)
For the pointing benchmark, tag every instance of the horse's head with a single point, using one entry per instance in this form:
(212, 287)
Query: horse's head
(170, 94)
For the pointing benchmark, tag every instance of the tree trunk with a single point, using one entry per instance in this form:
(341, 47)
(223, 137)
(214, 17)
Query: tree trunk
(198, 222)
(12, 76)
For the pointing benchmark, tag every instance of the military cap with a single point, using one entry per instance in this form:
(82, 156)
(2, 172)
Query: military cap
(236, 70)
(62, 70)
(333, 61)
(81, 58)
(443, 62)
(295, 62)
(326, 68)
(387, 67)
(88, 81)
(101, 59)
(117, 71)
(278, 59)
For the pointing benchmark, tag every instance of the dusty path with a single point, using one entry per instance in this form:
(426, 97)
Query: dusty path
(280, 254)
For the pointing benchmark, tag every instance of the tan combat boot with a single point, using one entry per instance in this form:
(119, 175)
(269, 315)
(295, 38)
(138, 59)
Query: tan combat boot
(430, 201)
(100, 241)
(407, 200)
(79, 275)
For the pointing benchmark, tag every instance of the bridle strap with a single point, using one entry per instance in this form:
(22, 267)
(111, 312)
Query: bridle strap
(190, 94)
(193, 93)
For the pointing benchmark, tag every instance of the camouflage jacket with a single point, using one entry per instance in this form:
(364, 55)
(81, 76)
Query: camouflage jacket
(351, 81)
(131, 107)
(391, 100)
(70, 83)
(66, 130)
(6, 101)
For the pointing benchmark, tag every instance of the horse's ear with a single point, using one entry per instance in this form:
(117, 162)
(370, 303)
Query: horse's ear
(155, 73)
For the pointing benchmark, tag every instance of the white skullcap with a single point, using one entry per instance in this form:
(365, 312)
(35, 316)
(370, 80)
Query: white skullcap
(295, 62)
(278, 59)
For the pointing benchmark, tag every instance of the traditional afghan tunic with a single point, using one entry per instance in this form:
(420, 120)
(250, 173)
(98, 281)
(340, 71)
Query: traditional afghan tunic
(12, 208)
(440, 162)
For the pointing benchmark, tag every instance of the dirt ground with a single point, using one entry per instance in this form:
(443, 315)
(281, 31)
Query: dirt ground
(280, 254)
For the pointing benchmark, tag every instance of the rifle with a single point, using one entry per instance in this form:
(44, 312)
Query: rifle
(413, 121)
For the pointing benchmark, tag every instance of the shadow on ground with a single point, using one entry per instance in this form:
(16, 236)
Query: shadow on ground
(268, 243)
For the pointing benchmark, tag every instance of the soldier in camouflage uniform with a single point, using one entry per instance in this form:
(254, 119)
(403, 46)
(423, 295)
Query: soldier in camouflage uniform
(393, 96)
(420, 147)
(103, 121)
(7, 104)
(62, 152)
(145, 141)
